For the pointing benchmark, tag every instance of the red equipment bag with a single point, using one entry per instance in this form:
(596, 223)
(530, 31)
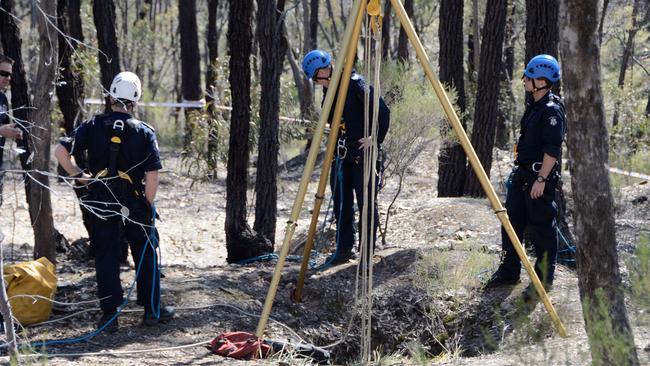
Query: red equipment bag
(240, 345)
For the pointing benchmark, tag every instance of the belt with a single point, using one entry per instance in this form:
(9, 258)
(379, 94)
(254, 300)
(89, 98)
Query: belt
(533, 167)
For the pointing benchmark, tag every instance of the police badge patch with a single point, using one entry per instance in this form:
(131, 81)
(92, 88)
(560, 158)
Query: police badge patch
(552, 121)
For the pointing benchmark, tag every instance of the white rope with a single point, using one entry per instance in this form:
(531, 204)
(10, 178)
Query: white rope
(286, 327)
(369, 190)
(109, 353)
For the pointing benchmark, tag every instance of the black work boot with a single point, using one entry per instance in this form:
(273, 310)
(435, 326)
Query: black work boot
(166, 313)
(502, 277)
(341, 257)
(111, 327)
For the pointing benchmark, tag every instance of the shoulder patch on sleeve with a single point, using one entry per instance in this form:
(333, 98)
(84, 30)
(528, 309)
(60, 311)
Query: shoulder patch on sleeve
(552, 121)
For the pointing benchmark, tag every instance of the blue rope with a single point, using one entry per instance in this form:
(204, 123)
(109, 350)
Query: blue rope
(273, 256)
(157, 262)
(92, 334)
(569, 247)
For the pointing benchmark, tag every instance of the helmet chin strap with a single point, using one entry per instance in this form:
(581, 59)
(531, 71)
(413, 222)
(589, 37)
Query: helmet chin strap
(328, 78)
(536, 89)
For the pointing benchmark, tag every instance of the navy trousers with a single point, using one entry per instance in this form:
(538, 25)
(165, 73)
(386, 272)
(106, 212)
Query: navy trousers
(538, 218)
(346, 182)
(104, 236)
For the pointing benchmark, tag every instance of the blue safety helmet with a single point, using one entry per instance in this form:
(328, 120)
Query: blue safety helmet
(543, 66)
(315, 60)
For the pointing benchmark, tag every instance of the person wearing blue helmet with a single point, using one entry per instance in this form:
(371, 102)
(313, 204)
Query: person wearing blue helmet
(534, 179)
(346, 175)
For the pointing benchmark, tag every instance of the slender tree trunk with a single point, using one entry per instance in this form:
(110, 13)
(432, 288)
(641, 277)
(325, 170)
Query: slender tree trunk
(403, 41)
(506, 97)
(313, 25)
(471, 66)
(210, 79)
(305, 91)
(70, 85)
(542, 33)
(452, 159)
(485, 107)
(628, 52)
(70, 88)
(602, 21)
(272, 50)
(109, 53)
(41, 210)
(241, 241)
(306, 26)
(330, 13)
(610, 338)
(476, 26)
(385, 30)
(190, 65)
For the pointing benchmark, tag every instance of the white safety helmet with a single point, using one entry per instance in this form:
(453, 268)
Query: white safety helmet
(126, 85)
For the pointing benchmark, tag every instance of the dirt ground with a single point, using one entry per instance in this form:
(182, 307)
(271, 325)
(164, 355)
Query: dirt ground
(463, 325)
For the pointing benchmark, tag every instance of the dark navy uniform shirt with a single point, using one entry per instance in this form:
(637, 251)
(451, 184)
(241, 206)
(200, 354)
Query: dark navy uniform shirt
(4, 119)
(353, 113)
(542, 130)
(138, 151)
(4, 109)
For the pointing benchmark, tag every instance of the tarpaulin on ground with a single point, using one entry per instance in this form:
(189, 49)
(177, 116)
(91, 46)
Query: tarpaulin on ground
(33, 278)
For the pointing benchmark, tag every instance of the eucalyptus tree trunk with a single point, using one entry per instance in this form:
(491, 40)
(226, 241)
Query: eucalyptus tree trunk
(485, 107)
(190, 65)
(109, 53)
(403, 41)
(611, 340)
(452, 159)
(43, 222)
(272, 50)
(241, 241)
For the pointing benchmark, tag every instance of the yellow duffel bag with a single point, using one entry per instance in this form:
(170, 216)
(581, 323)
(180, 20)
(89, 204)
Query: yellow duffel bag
(31, 278)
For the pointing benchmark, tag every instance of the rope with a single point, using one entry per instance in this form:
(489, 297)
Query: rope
(104, 352)
(107, 353)
(373, 26)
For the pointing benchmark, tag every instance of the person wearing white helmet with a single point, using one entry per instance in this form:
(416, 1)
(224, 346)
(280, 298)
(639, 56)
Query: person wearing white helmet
(530, 197)
(122, 181)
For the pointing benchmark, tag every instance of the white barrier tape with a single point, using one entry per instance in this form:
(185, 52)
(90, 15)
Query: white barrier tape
(183, 104)
(630, 173)
(187, 104)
